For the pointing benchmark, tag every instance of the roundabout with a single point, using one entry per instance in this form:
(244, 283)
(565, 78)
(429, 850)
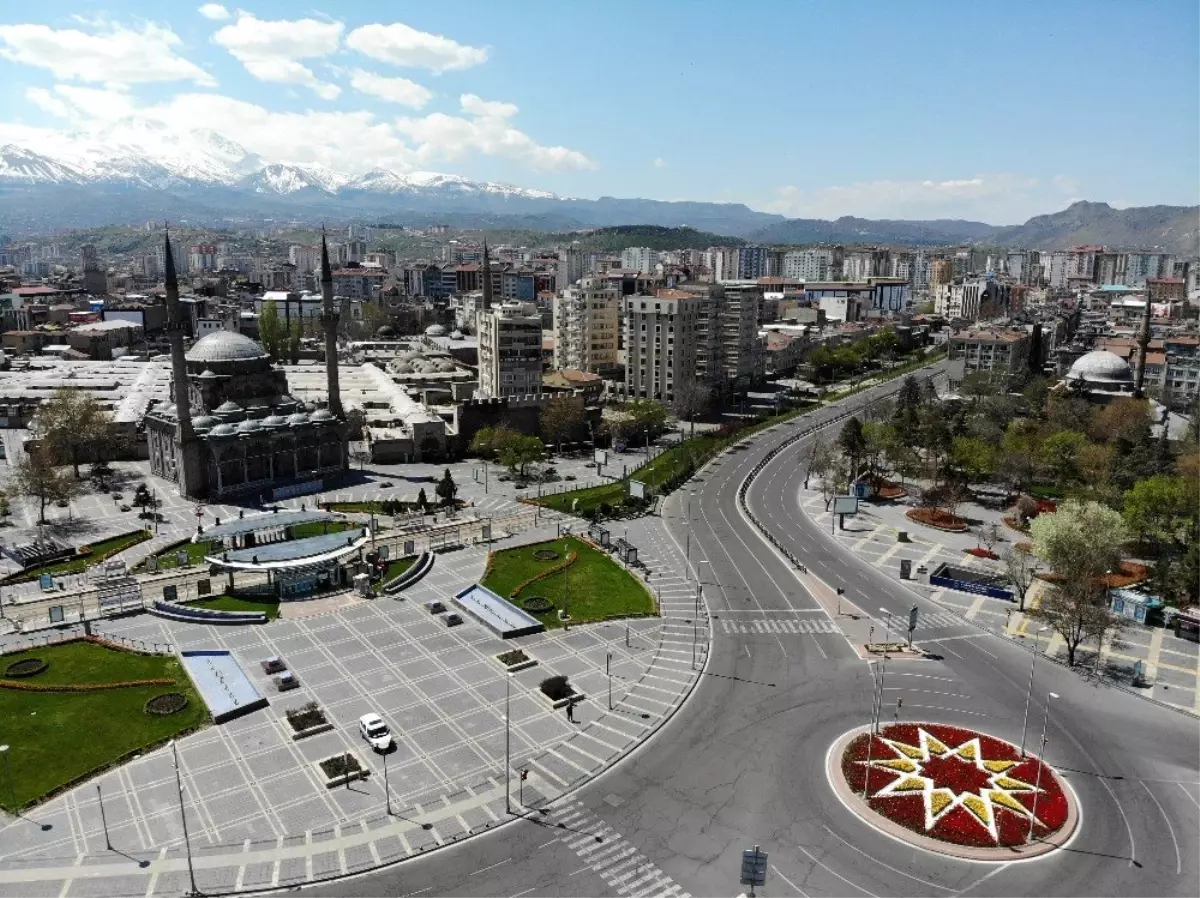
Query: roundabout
(953, 790)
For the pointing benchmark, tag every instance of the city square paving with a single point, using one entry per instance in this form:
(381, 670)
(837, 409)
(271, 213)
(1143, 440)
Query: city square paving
(258, 810)
(1172, 664)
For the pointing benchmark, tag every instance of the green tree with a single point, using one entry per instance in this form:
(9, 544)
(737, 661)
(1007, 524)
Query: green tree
(973, 458)
(1081, 541)
(520, 452)
(37, 477)
(639, 416)
(447, 489)
(977, 384)
(422, 499)
(489, 441)
(272, 332)
(1076, 611)
(1020, 566)
(853, 444)
(1059, 455)
(1125, 418)
(1162, 510)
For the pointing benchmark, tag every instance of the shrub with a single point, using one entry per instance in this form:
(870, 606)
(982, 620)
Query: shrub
(307, 715)
(516, 656)
(26, 667)
(556, 688)
(340, 765)
(167, 703)
(537, 604)
(545, 555)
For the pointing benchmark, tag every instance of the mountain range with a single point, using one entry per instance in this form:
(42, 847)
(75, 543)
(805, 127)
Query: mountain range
(205, 179)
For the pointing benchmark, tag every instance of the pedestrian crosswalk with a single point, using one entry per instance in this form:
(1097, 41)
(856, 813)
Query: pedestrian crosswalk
(819, 625)
(609, 855)
(935, 619)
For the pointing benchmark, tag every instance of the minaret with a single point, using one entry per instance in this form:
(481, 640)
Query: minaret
(329, 320)
(176, 328)
(487, 278)
(1143, 350)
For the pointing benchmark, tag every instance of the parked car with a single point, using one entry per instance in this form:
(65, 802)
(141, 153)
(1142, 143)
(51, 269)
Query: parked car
(286, 680)
(372, 728)
(453, 620)
(272, 665)
(437, 608)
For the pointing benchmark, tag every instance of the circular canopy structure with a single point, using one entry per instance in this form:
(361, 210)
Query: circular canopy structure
(1102, 367)
(225, 346)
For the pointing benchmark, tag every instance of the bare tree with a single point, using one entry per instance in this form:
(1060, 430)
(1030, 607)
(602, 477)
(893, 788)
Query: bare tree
(561, 419)
(1076, 611)
(691, 398)
(36, 476)
(1021, 567)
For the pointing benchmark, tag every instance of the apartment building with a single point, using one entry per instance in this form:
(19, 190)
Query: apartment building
(996, 351)
(973, 298)
(510, 350)
(660, 342)
(742, 349)
(586, 326)
(808, 264)
(639, 258)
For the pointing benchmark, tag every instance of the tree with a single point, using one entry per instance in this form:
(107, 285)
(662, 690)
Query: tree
(973, 458)
(73, 426)
(447, 489)
(422, 500)
(935, 439)
(561, 419)
(1059, 455)
(977, 384)
(642, 416)
(691, 399)
(1081, 541)
(852, 443)
(1076, 611)
(36, 476)
(1021, 566)
(5, 508)
(1126, 418)
(294, 333)
(819, 457)
(877, 437)
(1162, 510)
(488, 441)
(1027, 509)
(272, 332)
(520, 452)
(1019, 452)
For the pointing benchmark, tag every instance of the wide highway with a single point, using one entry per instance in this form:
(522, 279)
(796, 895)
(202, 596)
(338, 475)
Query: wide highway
(743, 763)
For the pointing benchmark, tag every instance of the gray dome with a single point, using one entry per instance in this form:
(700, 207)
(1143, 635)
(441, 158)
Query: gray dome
(435, 330)
(228, 407)
(223, 430)
(248, 426)
(321, 415)
(167, 411)
(298, 418)
(225, 346)
(1101, 367)
(203, 422)
(274, 421)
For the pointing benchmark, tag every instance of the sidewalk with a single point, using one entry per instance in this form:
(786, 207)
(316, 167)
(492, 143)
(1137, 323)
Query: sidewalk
(1172, 665)
(288, 841)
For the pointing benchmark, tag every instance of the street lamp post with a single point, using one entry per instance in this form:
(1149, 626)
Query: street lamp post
(386, 788)
(870, 733)
(12, 786)
(183, 816)
(507, 744)
(883, 668)
(1029, 691)
(566, 582)
(608, 671)
(696, 625)
(1037, 787)
(103, 819)
(687, 552)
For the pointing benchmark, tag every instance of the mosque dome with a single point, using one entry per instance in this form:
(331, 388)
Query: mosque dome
(1101, 367)
(298, 419)
(203, 422)
(223, 430)
(225, 346)
(435, 330)
(274, 421)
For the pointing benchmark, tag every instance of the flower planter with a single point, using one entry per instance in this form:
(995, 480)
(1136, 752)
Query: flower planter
(516, 665)
(316, 730)
(557, 704)
(341, 779)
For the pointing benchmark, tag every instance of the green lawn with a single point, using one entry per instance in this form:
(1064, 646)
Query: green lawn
(58, 737)
(594, 587)
(168, 557)
(79, 563)
(396, 568)
(239, 603)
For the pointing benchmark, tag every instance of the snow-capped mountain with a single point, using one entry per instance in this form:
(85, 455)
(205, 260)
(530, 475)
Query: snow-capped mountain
(151, 156)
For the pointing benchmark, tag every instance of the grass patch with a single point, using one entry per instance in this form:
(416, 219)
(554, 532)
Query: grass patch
(226, 602)
(59, 737)
(598, 586)
(397, 567)
(169, 557)
(77, 564)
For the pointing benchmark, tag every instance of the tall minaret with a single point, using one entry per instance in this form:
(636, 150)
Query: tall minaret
(1143, 350)
(176, 328)
(487, 278)
(329, 320)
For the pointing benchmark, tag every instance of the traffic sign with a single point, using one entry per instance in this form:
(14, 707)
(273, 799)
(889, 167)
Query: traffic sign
(912, 619)
(754, 868)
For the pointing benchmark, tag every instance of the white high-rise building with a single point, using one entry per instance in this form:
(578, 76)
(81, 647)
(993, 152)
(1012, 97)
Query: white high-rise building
(510, 350)
(570, 268)
(639, 258)
(586, 323)
(808, 264)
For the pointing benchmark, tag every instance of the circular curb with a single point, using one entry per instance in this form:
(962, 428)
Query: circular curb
(998, 855)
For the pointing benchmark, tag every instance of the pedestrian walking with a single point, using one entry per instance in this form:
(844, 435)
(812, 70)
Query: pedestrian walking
(571, 712)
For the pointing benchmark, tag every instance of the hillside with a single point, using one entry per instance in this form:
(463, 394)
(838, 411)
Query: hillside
(848, 229)
(613, 240)
(1172, 229)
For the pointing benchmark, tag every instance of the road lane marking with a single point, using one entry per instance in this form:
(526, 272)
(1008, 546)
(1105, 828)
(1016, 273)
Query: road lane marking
(490, 867)
(923, 882)
(1170, 829)
(835, 873)
(799, 891)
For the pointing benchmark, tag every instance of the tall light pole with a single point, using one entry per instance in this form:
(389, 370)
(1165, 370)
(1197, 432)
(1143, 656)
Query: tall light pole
(386, 788)
(12, 786)
(1029, 691)
(507, 743)
(103, 818)
(567, 580)
(870, 732)
(183, 816)
(687, 552)
(1037, 787)
(608, 671)
(883, 668)
(696, 625)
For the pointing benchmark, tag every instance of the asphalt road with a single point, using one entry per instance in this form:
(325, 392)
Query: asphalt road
(743, 762)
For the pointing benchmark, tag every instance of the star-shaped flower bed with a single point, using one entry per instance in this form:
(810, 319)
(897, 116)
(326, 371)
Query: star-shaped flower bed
(955, 785)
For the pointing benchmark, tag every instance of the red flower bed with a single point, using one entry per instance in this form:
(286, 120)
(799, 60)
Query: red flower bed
(935, 517)
(983, 553)
(953, 770)
(1046, 506)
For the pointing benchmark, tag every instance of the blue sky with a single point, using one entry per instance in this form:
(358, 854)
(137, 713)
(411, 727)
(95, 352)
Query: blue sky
(986, 110)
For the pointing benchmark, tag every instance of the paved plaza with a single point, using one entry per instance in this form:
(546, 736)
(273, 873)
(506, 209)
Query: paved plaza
(1172, 664)
(258, 810)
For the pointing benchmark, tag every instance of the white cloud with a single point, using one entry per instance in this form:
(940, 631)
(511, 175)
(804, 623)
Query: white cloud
(270, 50)
(998, 198)
(660, 162)
(402, 45)
(74, 103)
(214, 11)
(448, 137)
(110, 54)
(394, 90)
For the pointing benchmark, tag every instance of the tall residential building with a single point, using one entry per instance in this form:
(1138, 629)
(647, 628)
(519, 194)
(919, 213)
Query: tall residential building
(639, 258)
(941, 273)
(510, 350)
(660, 342)
(570, 269)
(1056, 266)
(305, 258)
(202, 257)
(1141, 266)
(742, 350)
(1081, 262)
(586, 322)
(920, 270)
(808, 264)
(752, 262)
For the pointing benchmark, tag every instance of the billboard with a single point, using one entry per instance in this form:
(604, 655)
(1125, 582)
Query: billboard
(600, 456)
(637, 489)
(845, 505)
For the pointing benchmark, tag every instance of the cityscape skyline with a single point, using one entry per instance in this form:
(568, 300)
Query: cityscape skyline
(452, 91)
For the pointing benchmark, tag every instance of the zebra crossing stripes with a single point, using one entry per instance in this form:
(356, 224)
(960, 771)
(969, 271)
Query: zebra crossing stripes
(613, 859)
(935, 619)
(780, 626)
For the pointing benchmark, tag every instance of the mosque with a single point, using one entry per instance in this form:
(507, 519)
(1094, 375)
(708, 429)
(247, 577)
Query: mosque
(232, 429)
